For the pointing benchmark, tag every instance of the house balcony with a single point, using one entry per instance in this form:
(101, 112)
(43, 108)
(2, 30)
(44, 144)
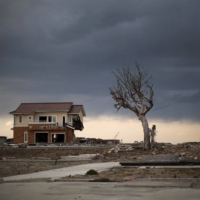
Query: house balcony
(41, 122)
(38, 125)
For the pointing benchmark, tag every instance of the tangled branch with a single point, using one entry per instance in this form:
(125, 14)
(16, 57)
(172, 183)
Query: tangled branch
(134, 90)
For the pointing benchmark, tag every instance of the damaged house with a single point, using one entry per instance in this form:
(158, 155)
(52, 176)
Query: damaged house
(47, 122)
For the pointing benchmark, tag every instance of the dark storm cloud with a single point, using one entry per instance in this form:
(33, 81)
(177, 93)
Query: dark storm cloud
(189, 98)
(56, 50)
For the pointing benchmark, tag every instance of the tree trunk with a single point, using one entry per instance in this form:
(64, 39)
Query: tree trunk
(145, 126)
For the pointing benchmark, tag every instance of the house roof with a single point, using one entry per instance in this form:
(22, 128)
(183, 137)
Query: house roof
(75, 109)
(28, 108)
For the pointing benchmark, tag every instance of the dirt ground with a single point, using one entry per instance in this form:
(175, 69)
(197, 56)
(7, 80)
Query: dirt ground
(120, 174)
(15, 161)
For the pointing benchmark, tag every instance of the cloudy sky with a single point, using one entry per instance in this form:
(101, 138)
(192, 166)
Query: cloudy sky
(65, 50)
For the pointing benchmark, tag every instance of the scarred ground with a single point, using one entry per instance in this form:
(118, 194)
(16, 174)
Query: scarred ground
(15, 161)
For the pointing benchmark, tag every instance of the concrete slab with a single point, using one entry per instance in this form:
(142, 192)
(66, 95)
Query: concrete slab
(79, 157)
(62, 172)
(160, 158)
(164, 181)
(170, 167)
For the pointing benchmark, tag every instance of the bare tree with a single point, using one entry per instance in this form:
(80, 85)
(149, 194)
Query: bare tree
(135, 92)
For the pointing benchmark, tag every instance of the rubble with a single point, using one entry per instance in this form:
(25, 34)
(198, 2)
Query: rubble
(22, 145)
(43, 158)
(123, 148)
(182, 154)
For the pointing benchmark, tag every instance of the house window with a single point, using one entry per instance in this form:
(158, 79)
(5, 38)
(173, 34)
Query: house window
(25, 137)
(54, 118)
(47, 118)
(30, 118)
(20, 119)
(42, 118)
(70, 119)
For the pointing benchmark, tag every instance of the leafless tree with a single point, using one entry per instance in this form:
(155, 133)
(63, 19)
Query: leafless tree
(135, 92)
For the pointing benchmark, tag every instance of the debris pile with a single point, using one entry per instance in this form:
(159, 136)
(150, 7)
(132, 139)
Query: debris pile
(184, 155)
(121, 148)
(22, 145)
(188, 144)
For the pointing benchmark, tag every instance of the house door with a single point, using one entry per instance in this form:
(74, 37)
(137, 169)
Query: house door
(41, 137)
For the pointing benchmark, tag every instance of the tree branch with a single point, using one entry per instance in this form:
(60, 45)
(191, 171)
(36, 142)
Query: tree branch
(133, 90)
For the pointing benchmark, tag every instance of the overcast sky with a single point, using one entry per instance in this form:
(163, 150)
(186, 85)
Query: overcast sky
(65, 50)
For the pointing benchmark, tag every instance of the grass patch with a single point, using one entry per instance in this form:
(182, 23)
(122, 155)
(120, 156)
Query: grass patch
(91, 172)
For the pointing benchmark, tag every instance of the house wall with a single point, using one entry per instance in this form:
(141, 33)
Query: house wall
(25, 120)
(31, 129)
(70, 135)
(35, 117)
(81, 116)
(59, 116)
(18, 136)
